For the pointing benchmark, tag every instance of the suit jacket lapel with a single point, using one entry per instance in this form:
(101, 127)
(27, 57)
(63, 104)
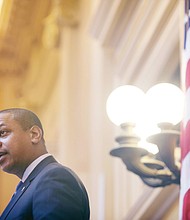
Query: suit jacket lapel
(34, 173)
(40, 167)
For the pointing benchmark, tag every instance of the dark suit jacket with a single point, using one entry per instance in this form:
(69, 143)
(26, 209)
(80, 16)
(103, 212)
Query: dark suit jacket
(51, 191)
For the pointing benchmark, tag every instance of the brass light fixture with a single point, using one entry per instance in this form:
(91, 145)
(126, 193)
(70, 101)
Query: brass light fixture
(148, 120)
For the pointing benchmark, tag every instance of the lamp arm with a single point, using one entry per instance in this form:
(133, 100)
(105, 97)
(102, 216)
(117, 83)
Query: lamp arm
(137, 167)
(152, 182)
(167, 142)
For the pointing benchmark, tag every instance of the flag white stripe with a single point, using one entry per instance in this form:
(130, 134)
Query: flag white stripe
(187, 108)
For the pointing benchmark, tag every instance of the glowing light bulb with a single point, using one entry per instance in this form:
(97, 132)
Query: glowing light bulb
(125, 104)
(165, 103)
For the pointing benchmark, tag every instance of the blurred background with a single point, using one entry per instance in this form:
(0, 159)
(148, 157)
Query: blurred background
(61, 59)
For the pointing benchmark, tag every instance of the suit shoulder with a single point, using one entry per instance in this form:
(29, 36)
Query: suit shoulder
(57, 167)
(58, 171)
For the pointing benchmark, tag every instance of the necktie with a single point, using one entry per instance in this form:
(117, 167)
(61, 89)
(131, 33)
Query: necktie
(19, 187)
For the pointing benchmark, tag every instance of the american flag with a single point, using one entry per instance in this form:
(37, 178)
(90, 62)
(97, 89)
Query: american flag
(184, 209)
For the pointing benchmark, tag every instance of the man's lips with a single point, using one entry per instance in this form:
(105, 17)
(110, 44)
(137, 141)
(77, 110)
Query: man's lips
(2, 154)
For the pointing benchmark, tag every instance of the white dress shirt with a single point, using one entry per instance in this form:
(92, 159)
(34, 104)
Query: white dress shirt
(31, 167)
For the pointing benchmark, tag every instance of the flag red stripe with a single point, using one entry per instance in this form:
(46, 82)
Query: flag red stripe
(185, 130)
(185, 140)
(186, 207)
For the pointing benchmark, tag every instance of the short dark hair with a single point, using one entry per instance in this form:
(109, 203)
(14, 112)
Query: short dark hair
(25, 117)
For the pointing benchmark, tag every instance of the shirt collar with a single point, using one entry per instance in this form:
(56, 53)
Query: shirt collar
(31, 167)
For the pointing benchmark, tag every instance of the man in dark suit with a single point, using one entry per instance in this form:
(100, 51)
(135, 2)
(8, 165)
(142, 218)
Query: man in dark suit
(48, 190)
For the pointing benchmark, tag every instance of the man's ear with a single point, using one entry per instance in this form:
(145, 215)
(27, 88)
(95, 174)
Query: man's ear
(35, 134)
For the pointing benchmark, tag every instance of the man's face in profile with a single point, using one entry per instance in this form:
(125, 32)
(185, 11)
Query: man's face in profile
(15, 145)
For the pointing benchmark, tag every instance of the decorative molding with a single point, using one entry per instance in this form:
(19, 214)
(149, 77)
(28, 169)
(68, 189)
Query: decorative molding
(143, 35)
(62, 13)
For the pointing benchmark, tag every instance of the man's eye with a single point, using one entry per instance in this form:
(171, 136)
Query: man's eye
(3, 133)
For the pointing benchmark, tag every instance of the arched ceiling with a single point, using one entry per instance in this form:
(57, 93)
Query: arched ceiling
(21, 25)
(30, 33)
(144, 36)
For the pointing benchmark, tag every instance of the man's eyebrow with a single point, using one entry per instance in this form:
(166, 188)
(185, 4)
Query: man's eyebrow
(2, 124)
